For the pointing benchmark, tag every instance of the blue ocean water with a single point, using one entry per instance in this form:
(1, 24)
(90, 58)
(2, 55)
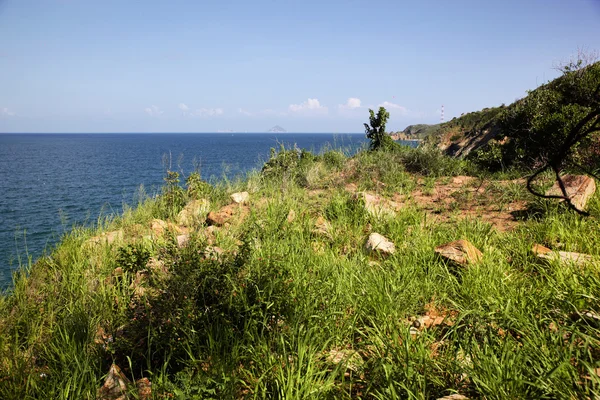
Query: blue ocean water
(51, 182)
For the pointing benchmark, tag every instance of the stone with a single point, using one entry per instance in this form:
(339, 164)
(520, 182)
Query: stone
(460, 251)
(227, 214)
(455, 396)
(561, 256)
(380, 244)
(213, 253)
(193, 212)
(144, 388)
(182, 240)
(107, 238)
(323, 228)
(240, 197)
(115, 385)
(157, 267)
(291, 216)
(376, 205)
(580, 189)
(158, 227)
(350, 358)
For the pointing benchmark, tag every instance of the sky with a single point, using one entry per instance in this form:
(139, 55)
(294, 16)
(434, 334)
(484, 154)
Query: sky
(308, 66)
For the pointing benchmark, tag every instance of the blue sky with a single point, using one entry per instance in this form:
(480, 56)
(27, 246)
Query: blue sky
(309, 66)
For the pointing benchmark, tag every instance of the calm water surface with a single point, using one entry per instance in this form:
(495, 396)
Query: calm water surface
(50, 182)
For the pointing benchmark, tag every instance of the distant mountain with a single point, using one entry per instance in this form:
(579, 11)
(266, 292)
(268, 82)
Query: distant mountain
(277, 129)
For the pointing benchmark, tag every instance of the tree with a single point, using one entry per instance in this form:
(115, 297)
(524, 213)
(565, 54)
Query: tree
(375, 130)
(555, 126)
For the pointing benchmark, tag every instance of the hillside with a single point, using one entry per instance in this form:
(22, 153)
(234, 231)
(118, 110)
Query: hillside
(387, 275)
(528, 130)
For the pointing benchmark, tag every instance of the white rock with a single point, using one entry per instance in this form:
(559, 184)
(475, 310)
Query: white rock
(240, 197)
(380, 244)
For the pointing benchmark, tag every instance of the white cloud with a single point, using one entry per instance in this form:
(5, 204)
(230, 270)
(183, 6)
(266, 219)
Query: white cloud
(153, 111)
(351, 104)
(183, 107)
(393, 106)
(245, 112)
(5, 112)
(308, 105)
(208, 112)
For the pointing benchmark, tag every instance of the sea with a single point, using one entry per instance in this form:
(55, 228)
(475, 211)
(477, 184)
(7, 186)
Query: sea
(50, 183)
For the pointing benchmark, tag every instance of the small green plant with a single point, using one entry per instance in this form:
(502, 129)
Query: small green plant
(133, 257)
(173, 194)
(196, 187)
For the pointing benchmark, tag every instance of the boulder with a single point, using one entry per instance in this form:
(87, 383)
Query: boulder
(580, 189)
(380, 244)
(460, 251)
(561, 256)
(376, 205)
(227, 214)
(240, 197)
(115, 385)
(193, 212)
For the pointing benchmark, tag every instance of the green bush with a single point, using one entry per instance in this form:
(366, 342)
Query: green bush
(132, 258)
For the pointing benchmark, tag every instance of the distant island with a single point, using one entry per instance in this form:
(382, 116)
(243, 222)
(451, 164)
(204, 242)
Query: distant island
(277, 129)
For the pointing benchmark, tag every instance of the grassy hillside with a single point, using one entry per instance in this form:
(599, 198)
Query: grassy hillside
(283, 300)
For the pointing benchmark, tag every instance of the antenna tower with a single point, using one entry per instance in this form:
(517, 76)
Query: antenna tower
(442, 115)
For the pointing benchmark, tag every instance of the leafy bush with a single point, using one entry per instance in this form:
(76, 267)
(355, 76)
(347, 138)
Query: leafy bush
(196, 187)
(133, 257)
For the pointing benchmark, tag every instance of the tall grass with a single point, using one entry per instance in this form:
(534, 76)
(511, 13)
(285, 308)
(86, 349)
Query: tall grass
(288, 312)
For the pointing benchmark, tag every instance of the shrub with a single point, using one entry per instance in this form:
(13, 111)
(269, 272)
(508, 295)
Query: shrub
(133, 257)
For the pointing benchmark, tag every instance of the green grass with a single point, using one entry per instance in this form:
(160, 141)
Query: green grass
(266, 319)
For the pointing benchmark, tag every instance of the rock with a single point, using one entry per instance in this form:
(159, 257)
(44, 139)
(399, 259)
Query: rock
(107, 238)
(291, 216)
(182, 240)
(561, 256)
(115, 385)
(193, 212)
(213, 253)
(380, 244)
(460, 251)
(158, 227)
(240, 197)
(455, 396)
(376, 205)
(227, 214)
(157, 267)
(350, 358)
(323, 227)
(580, 189)
(144, 387)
